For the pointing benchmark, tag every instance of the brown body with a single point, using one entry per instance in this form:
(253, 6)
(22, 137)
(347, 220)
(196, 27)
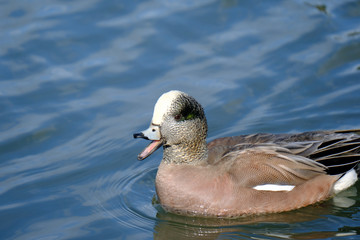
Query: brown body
(220, 196)
(223, 185)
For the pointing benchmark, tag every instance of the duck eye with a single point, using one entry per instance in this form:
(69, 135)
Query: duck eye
(178, 117)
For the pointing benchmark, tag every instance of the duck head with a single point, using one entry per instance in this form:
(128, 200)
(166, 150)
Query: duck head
(179, 125)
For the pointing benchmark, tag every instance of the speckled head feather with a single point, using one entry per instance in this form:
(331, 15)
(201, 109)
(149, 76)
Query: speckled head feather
(183, 127)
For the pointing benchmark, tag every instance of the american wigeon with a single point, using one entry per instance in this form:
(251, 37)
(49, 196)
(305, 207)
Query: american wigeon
(249, 174)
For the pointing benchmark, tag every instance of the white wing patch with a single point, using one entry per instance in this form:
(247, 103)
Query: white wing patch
(274, 187)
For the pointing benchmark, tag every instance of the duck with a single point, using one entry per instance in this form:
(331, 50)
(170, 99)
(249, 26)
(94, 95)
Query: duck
(243, 175)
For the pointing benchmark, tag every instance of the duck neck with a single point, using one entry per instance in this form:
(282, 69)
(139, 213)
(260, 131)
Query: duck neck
(194, 153)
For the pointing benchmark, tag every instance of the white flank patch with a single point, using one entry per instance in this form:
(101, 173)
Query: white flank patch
(345, 181)
(274, 187)
(163, 104)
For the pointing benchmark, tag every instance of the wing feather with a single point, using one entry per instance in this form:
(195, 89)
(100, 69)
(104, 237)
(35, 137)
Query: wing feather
(271, 165)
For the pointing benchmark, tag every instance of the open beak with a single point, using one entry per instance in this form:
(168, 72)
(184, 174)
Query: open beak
(153, 134)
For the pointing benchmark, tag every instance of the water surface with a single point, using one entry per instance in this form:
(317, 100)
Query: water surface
(77, 78)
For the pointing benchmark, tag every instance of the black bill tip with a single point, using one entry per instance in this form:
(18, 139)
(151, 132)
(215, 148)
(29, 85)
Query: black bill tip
(140, 135)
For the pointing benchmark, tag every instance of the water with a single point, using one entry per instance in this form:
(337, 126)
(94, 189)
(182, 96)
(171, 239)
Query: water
(77, 78)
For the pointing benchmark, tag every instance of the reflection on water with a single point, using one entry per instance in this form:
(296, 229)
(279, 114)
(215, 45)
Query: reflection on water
(77, 78)
(275, 225)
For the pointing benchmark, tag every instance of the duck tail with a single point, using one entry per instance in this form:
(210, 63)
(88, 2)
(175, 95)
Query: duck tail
(341, 153)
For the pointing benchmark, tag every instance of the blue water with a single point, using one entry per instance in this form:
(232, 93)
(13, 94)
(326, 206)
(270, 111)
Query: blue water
(77, 78)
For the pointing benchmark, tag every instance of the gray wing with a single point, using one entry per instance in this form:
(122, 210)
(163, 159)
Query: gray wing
(336, 151)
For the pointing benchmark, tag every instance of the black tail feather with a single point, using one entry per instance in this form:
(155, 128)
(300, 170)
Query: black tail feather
(339, 155)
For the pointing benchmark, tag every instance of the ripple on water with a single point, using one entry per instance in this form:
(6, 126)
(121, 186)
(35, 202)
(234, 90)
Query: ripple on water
(126, 197)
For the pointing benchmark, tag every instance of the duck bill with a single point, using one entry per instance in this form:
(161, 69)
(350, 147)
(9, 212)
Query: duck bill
(152, 133)
(152, 147)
